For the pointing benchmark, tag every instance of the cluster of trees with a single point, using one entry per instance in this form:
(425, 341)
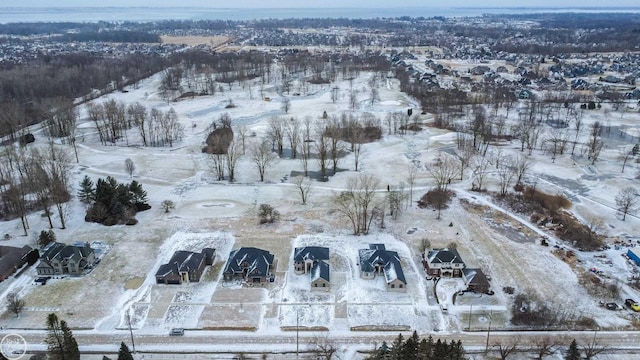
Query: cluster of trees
(27, 89)
(32, 179)
(415, 348)
(112, 203)
(155, 127)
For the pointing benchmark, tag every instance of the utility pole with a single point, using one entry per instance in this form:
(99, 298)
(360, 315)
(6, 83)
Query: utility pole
(486, 347)
(133, 344)
(470, 313)
(297, 332)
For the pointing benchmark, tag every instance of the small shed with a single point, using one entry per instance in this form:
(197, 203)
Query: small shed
(634, 254)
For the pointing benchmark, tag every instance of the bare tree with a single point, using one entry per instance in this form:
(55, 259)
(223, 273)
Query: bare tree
(167, 205)
(334, 94)
(324, 349)
(218, 164)
(242, 136)
(506, 173)
(138, 115)
(592, 348)
(286, 105)
(292, 129)
(171, 128)
(129, 166)
(358, 202)
(322, 146)
(304, 187)
(577, 126)
(261, 155)
(231, 159)
(411, 179)
(546, 346)
(522, 165)
(508, 348)
(444, 170)
(466, 152)
(481, 163)
(624, 156)
(334, 132)
(595, 144)
(15, 303)
(627, 201)
(276, 133)
(395, 199)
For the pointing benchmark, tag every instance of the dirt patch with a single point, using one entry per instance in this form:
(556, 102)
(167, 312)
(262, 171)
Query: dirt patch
(134, 283)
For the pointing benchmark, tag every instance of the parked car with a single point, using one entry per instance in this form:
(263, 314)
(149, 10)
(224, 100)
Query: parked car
(176, 332)
(42, 280)
(632, 304)
(611, 306)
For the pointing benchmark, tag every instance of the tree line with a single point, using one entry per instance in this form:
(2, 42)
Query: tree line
(27, 90)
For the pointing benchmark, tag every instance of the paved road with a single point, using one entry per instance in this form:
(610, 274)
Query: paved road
(234, 342)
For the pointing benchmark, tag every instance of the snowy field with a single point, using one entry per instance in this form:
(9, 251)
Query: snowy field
(217, 214)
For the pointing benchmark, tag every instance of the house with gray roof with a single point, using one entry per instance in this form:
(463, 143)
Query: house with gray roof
(320, 276)
(252, 265)
(377, 260)
(444, 262)
(313, 260)
(185, 266)
(305, 257)
(11, 259)
(61, 259)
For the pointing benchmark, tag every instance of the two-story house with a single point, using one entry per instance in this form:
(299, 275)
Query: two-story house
(60, 259)
(444, 262)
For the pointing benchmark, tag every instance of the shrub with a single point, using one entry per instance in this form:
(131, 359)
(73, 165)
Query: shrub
(267, 214)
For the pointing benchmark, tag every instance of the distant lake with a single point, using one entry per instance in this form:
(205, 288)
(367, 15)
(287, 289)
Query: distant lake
(144, 14)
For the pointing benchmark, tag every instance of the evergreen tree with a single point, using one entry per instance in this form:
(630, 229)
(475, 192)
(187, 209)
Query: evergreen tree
(439, 350)
(457, 351)
(396, 347)
(87, 192)
(124, 353)
(410, 347)
(61, 343)
(46, 237)
(70, 345)
(573, 353)
(138, 196)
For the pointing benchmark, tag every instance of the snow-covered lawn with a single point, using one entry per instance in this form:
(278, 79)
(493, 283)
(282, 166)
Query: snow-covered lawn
(217, 214)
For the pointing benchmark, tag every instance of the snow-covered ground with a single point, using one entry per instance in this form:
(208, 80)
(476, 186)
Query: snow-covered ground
(217, 214)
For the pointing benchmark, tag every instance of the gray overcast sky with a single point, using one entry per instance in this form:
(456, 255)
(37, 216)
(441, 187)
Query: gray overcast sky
(321, 3)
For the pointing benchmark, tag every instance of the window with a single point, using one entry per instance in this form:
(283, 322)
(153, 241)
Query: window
(393, 286)
(315, 285)
(401, 286)
(324, 285)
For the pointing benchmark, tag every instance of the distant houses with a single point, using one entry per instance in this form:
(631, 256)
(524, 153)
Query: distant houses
(61, 259)
(253, 265)
(313, 260)
(377, 260)
(185, 266)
